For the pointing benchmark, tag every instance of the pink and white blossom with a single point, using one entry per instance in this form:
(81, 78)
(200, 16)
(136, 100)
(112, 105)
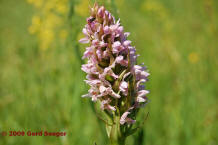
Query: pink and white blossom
(112, 72)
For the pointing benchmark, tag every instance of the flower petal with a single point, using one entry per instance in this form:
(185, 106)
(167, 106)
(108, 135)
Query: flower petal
(84, 40)
(124, 119)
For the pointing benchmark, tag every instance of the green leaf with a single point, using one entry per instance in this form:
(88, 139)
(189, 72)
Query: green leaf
(108, 129)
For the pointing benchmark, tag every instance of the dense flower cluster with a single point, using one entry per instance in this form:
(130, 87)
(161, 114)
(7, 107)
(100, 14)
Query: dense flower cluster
(114, 78)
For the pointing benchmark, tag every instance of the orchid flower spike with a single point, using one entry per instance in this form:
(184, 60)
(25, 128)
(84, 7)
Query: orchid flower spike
(115, 80)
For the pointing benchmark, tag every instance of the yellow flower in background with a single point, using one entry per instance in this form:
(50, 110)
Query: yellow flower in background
(63, 34)
(48, 6)
(30, 1)
(49, 23)
(36, 22)
(47, 36)
(52, 21)
(156, 8)
(159, 11)
(36, 3)
(61, 8)
(82, 8)
(193, 57)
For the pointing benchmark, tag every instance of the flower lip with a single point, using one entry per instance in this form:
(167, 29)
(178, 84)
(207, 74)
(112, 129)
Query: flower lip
(84, 40)
(124, 119)
(124, 87)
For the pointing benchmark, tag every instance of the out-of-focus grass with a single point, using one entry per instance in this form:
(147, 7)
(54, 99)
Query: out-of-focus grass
(177, 40)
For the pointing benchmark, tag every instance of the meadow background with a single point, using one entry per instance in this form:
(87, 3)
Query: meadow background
(41, 82)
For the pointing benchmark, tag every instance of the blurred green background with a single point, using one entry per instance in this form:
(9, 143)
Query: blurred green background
(41, 82)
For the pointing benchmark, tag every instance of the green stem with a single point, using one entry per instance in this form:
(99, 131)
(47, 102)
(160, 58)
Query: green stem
(116, 137)
(118, 142)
